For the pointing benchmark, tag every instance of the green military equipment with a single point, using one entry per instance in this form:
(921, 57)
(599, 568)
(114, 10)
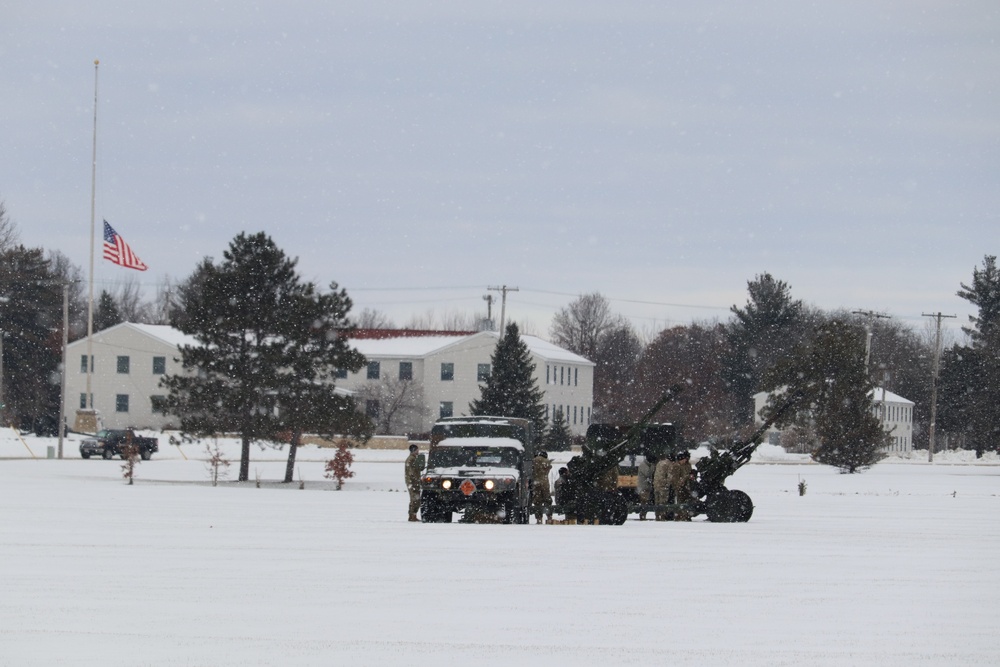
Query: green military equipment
(608, 445)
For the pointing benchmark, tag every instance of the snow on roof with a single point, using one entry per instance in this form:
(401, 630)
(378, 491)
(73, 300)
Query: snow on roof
(481, 443)
(879, 394)
(419, 346)
(415, 346)
(165, 333)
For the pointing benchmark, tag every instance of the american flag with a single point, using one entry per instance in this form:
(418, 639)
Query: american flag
(117, 251)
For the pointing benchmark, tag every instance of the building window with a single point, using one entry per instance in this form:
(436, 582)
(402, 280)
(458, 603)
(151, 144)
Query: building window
(482, 372)
(121, 402)
(341, 373)
(547, 381)
(574, 414)
(447, 371)
(446, 409)
(123, 365)
(372, 409)
(159, 365)
(374, 370)
(576, 377)
(158, 404)
(562, 374)
(83, 363)
(83, 401)
(406, 370)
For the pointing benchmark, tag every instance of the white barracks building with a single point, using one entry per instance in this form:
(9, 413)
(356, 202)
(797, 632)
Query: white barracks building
(436, 373)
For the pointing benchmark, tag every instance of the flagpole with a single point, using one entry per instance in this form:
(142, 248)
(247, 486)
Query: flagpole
(89, 398)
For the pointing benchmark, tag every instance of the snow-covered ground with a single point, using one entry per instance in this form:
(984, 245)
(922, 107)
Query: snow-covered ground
(895, 566)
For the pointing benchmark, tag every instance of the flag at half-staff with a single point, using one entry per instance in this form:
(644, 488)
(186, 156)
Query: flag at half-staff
(119, 252)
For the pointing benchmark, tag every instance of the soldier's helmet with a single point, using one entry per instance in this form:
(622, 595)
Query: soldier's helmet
(543, 453)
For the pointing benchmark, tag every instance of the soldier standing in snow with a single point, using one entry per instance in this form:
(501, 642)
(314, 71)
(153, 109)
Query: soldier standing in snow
(541, 495)
(644, 483)
(678, 479)
(412, 476)
(661, 486)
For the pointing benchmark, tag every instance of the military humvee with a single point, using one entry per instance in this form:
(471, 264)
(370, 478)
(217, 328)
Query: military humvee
(479, 466)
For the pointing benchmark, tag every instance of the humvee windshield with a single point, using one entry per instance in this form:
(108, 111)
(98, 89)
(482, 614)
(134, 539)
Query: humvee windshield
(474, 457)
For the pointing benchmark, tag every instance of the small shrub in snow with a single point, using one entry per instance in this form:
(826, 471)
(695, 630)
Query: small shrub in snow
(217, 463)
(802, 487)
(339, 467)
(130, 456)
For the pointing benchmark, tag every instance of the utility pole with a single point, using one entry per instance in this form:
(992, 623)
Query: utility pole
(488, 298)
(503, 303)
(934, 380)
(871, 316)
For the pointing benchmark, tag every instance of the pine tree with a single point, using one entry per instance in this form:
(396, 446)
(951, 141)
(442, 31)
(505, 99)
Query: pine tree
(830, 372)
(972, 375)
(764, 331)
(31, 326)
(106, 314)
(511, 390)
(269, 348)
(558, 437)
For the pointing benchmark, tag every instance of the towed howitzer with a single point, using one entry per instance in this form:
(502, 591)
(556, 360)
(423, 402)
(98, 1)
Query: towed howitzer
(708, 490)
(586, 498)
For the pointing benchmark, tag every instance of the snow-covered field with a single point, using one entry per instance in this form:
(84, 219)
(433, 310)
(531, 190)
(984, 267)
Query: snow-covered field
(895, 566)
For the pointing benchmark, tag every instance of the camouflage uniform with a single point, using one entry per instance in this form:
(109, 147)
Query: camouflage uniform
(678, 478)
(540, 493)
(412, 476)
(644, 484)
(661, 486)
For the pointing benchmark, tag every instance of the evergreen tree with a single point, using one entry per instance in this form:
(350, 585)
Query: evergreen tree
(984, 293)
(971, 376)
(31, 326)
(511, 390)
(558, 437)
(106, 314)
(830, 373)
(763, 331)
(316, 336)
(269, 348)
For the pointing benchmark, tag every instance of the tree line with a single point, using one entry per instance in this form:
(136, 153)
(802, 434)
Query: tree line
(771, 342)
(774, 343)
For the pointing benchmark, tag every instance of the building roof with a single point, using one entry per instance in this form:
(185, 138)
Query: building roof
(161, 332)
(410, 345)
(383, 343)
(879, 394)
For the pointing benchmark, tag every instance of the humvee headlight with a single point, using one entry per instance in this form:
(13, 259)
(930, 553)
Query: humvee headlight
(488, 485)
(446, 484)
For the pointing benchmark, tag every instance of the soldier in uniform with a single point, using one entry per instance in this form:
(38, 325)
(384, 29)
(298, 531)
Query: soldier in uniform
(540, 492)
(412, 476)
(678, 479)
(644, 483)
(661, 486)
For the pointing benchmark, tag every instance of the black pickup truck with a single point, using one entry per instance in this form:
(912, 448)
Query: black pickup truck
(108, 443)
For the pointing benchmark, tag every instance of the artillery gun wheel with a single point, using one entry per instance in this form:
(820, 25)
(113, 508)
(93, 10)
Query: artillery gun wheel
(729, 507)
(615, 510)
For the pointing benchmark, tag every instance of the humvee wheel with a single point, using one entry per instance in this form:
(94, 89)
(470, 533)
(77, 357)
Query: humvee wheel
(145, 454)
(85, 455)
(729, 507)
(108, 454)
(432, 511)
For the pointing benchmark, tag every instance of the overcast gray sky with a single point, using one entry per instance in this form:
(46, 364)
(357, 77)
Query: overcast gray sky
(660, 153)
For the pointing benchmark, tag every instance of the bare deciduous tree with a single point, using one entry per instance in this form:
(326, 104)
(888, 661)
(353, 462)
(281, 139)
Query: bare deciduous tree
(369, 318)
(400, 404)
(580, 326)
(9, 236)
